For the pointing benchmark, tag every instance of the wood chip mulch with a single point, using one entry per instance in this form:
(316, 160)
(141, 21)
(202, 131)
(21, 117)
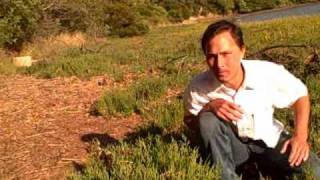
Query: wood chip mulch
(45, 124)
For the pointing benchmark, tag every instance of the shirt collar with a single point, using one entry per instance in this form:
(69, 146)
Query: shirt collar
(248, 82)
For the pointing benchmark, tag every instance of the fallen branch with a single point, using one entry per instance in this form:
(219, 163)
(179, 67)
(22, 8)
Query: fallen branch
(39, 134)
(71, 159)
(260, 52)
(172, 60)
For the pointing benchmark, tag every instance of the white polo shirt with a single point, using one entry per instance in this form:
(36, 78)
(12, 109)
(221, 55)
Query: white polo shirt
(266, 86)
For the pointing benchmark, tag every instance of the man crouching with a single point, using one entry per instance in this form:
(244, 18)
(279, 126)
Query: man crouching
(232, 105)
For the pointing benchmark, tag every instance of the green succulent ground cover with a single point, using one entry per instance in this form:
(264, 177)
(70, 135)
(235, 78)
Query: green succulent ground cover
(167, 58)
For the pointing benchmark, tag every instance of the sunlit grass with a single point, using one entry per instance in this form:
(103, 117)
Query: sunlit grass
(6, 67)
(151, 158)
(176, 56)
(169, 57)
(74, 64)
(132, 99)
(168, 115)
(290, 31)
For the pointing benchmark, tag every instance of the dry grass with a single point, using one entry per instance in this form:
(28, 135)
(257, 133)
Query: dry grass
(41, 48)
(45, 125)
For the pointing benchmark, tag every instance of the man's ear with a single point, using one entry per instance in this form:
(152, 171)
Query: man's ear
(243, 50)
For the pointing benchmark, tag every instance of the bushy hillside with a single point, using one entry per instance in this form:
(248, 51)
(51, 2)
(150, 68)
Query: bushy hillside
(21, 20)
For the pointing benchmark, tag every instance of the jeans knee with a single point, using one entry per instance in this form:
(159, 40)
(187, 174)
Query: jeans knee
(210, 124)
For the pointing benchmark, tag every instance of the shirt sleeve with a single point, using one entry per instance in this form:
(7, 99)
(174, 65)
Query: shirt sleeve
(287, 89)
(193, 100)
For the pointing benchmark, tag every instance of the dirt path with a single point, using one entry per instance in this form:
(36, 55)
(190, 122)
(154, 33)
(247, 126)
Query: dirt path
(45, 125)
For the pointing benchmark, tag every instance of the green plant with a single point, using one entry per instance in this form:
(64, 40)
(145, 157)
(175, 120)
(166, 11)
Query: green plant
(125, 102)
(7, 67)
(242, 6)
(226, 5)
(167, 116)
(177, 11)
(75, 63)
(256, 5)
(116, 103)
(122, 21)
(153, 151)
(150, 88)
(151, 13)
(69, 16)
(18, 22)
(151, 158)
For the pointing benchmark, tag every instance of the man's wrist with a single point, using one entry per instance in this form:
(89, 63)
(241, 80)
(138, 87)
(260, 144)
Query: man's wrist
(301, 130)
(301, 135)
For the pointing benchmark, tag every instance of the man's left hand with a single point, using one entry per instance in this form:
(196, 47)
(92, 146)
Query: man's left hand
(299, 150)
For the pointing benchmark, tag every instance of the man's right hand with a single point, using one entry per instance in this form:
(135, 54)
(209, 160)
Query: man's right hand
(224, 110)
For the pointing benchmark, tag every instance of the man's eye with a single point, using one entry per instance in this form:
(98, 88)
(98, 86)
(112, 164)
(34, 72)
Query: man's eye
(226, 54)
(211, 57)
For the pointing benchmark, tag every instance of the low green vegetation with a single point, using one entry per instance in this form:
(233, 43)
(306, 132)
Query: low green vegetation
(23, 20)
(167, 58)
(18, 22)
(81, 65)
(166, 116)
(125, 102)
(175, 56)
(7, 68)
(148, 159)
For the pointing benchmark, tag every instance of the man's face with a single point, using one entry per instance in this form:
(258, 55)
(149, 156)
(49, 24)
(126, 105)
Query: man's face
(223, 58)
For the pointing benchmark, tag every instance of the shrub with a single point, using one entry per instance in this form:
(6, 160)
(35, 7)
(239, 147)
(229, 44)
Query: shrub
(198, 7)
(69, 16)
(18, 22)
(255, 5)
(177, 11)
(242, 6)
(123, 21)
(151, 13)
(227, 6)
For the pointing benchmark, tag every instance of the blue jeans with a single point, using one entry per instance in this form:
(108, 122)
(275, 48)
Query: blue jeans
(228, 151)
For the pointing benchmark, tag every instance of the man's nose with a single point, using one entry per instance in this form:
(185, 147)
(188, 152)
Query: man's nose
(220, 61)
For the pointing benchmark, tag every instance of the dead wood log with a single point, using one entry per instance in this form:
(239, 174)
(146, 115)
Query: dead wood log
(264, 50)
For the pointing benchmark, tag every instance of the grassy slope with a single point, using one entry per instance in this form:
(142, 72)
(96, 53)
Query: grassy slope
(164, 115)
(158, 149)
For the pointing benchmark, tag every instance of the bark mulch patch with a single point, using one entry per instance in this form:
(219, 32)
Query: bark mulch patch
(45, 124)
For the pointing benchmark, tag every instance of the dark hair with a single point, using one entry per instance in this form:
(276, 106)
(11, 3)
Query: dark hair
(219, 27)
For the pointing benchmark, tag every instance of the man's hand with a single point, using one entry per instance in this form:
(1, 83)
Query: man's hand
(225, 110)
(299, 150)
(298, 143)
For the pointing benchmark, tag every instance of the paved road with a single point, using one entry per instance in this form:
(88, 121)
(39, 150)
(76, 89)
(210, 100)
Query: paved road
(306, 9)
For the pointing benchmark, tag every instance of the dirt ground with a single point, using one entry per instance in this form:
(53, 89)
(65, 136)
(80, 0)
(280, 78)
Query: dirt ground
(45, 124)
